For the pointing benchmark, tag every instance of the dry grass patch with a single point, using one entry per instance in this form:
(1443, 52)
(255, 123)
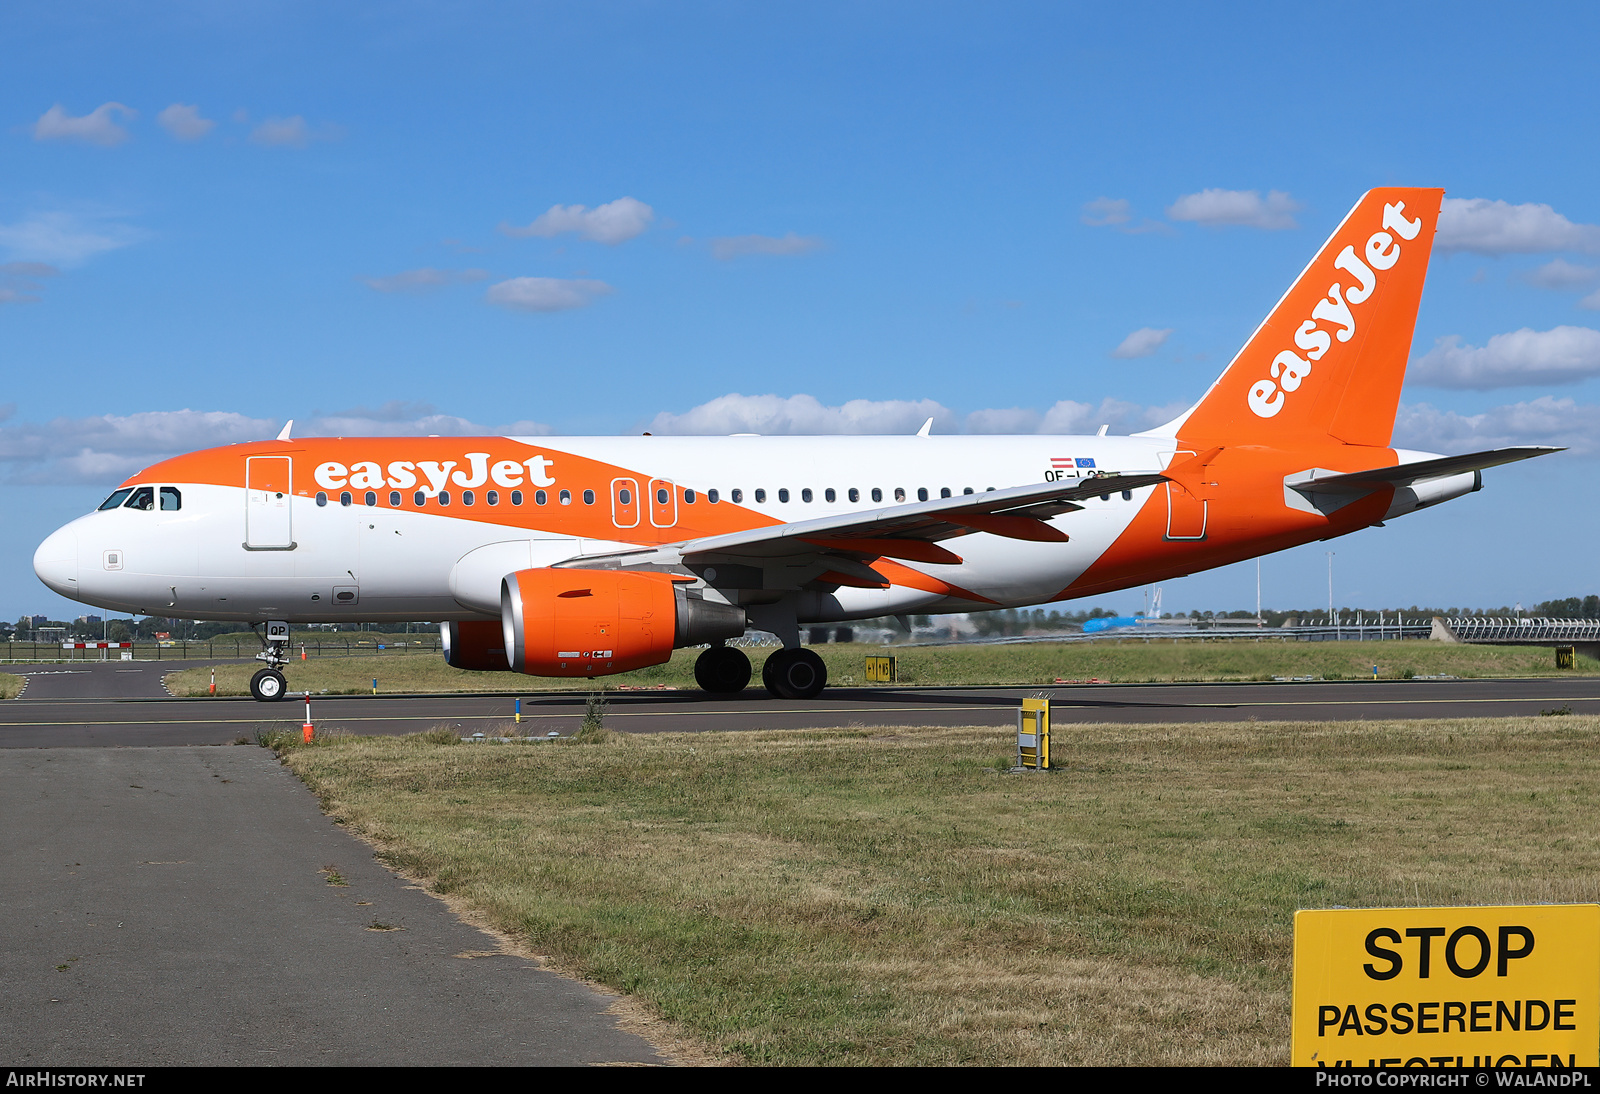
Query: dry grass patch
(857, 896)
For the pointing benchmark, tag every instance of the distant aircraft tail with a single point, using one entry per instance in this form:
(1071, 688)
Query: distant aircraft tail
(1329, 360)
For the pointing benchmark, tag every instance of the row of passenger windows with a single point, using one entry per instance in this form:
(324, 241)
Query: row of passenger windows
(625, 496)
(144, 497)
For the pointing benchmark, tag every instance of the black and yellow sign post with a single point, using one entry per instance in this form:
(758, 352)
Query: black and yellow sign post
(881, 669)
(1515, 986)
(1033, 734)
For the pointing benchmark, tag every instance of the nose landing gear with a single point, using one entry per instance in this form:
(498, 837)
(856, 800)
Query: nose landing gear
(269, 685)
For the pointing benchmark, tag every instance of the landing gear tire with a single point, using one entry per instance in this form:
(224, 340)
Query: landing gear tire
(268, 686)
(722, 670)
(795, 674)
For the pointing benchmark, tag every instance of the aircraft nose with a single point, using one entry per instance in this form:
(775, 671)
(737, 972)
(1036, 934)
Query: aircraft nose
(56, 562)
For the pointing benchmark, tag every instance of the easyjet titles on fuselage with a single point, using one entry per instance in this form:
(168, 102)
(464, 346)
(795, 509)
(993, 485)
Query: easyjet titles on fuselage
(432, 476)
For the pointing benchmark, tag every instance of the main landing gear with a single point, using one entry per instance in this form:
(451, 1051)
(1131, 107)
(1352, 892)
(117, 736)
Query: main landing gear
(722, 670)
(795, 674)
(788, 674)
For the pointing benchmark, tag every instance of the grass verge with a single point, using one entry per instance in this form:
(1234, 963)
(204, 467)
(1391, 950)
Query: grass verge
(889, 897)
(1125, 661)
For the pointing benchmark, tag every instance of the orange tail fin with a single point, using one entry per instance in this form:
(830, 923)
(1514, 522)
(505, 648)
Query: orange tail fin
(1329, 360)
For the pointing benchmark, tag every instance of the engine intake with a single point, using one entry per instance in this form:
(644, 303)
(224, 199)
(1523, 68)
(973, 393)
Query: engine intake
(478, 644)
(570, 622)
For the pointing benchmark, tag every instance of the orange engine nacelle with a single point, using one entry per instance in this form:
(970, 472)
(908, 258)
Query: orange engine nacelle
(478, 644)
(569, 622)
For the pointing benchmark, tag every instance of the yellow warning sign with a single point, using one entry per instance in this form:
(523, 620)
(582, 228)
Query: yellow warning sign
(880, 669)
(1512, 986)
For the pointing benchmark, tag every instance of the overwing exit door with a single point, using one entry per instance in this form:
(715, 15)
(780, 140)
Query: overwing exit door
(269, 483)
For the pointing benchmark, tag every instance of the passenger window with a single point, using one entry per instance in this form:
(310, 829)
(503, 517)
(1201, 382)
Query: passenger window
(566, 497)
(1127, 495)
(877, 494)
(491, 497)
(516, 497)
(661, 496)
(625, 496)
(588, 497)
(688, 497)
(829, 495)
(783, 495)
(371, 498)
(116, 499)
(171, 500)
(944, 491)
(143, 498)
(344, 498)
(966, 489)
(805, 495)
(711, 496)
(761, 495)
(738, 496)
(855, 495)
(394, 498)
(444, 497)
(899, 493)
(922, 493)
(418, 498)
(322, 499)
(466, 497)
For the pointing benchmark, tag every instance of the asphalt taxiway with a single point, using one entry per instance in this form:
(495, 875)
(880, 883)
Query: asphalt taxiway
(122, 704)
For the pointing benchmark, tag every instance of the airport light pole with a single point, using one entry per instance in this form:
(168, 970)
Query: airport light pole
(1331, 619)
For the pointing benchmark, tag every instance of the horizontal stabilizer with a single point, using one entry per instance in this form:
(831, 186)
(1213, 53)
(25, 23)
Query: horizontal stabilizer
(1405, 474)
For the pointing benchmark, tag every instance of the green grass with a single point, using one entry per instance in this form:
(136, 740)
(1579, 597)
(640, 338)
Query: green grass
(1120, 661)
(882, 896)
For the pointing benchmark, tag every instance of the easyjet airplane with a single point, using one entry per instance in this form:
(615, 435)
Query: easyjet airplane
(595, 555)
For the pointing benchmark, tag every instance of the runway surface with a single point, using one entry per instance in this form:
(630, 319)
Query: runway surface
(122, 704)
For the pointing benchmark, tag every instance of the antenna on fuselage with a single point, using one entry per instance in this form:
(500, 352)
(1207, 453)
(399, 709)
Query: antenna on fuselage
(927, 427)
(283, 436)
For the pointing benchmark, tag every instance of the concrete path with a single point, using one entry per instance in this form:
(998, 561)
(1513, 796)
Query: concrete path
(172, 906)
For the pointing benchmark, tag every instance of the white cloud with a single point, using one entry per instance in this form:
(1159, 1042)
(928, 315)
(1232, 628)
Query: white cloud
(1563, 355)
(546, 294)
(19, 282)
(806, 415)
(612, 223)
(802, 415)
(724, 248)
(1141, 343)
(96, 127)
(64, 239)
(108, 448)
(1558, 273)
(423, 280)
(184, 122)
(1497, 228)
(291, 132)
(1104, 212)
(1545, 420)
(1239, 208)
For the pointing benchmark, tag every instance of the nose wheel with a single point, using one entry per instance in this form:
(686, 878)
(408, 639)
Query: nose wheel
(268, 686)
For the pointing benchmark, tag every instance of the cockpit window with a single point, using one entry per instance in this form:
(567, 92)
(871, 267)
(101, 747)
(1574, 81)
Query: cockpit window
(144, 497)
(171, 500)
(116, 499)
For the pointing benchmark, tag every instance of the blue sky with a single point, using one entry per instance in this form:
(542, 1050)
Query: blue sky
(601, 218)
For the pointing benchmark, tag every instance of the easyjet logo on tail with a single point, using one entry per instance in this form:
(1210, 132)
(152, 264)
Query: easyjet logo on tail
(435, 475)
(1290, 369)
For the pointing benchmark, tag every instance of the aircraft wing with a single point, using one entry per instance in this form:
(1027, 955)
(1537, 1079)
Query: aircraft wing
(913, 531)
(1404, 474)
